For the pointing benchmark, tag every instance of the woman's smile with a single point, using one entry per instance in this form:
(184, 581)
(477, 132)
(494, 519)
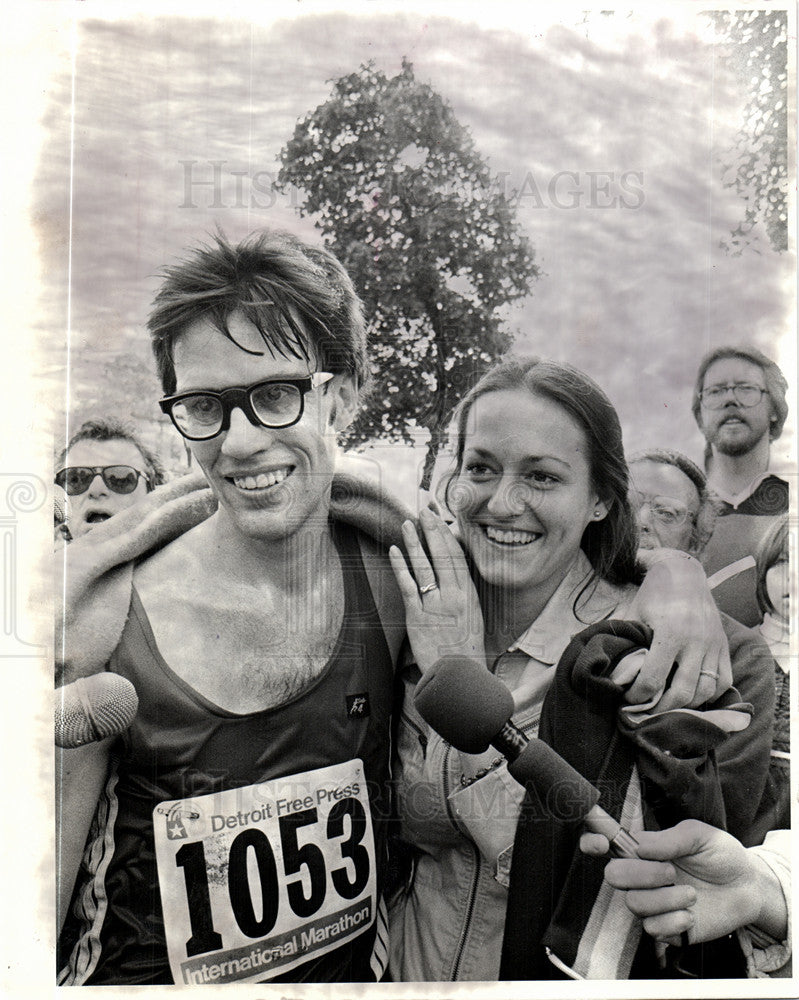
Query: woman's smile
(525, 491)
(511, 537)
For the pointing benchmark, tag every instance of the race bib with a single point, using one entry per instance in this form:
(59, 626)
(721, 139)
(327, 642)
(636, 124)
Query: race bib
(255, 881)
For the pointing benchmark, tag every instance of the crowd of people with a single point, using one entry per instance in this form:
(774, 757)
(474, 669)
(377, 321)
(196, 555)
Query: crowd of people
(280, 809)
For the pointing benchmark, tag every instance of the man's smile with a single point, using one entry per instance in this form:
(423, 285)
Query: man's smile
(261, 480)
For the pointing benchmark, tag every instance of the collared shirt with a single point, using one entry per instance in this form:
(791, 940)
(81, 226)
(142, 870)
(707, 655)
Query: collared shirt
(767, 494)
(448, 923)
(778, 639)
(526, 668)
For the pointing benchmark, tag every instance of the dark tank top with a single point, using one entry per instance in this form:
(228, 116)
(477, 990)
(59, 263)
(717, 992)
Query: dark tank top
(183, 747)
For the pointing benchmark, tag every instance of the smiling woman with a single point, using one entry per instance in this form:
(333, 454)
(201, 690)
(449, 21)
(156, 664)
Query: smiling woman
(539, 493)
(527, 494)
(539, 490)
(539, 450)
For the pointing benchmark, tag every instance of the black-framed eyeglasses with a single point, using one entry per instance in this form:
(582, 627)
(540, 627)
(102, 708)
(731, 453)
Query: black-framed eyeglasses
(744, 393)
(275, 402)
(76, 479)
(667, 510)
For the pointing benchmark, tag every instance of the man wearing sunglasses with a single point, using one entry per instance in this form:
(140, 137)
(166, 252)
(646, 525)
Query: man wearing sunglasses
(104, 469)
(739, 405)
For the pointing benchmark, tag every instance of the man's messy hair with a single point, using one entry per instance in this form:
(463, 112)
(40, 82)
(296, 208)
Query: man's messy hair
(298, 297)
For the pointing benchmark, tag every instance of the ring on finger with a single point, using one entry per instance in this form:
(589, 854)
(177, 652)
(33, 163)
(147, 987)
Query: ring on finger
(709, 673)
(428, 588)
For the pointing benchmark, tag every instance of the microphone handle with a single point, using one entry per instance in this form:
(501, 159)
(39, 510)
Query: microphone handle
(510, 741)
(622, 843)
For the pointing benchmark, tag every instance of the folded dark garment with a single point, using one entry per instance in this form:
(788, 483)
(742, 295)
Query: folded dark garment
(553, 886)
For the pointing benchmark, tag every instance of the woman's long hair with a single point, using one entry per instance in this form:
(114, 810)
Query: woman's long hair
(610, 544)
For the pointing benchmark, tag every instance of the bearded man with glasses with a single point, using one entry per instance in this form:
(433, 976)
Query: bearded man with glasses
(104, 469)
(739, 405)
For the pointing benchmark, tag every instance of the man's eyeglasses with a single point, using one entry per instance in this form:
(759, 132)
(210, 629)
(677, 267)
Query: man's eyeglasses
(202, 415)
(744, 393)
(664, 509)
(76, 479)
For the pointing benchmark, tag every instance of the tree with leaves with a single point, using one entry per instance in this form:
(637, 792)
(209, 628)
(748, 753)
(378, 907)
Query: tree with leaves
(405, 201)
(755, 44)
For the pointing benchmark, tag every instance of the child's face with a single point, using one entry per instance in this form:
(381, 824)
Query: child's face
(777, 588)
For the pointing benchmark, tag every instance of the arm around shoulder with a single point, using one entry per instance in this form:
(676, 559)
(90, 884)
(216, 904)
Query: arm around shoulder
(674, 600)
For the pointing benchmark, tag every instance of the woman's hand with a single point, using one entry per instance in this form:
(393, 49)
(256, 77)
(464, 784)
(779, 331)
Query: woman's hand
(695, 878)
(442, 612)
(676, 603)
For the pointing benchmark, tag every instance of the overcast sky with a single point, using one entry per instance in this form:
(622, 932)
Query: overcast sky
(612, 128)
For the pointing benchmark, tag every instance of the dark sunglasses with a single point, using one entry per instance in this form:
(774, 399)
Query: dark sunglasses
(76, 479)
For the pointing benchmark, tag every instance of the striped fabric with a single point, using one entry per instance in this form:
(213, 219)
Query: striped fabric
(379, 960)
(91, 901)
(562, 918)
(610, 940)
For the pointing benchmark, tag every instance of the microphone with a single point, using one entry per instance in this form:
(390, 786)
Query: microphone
(60, 506)
(446, 697)
(92, 708)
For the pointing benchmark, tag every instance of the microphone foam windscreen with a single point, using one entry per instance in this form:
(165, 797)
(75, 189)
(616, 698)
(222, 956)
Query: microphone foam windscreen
(463, 702)
(59, 506)
(92, 708)
(564, 792)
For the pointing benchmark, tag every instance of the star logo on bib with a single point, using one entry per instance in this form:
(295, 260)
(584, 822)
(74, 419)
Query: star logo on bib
(175, 830)
(182, 819)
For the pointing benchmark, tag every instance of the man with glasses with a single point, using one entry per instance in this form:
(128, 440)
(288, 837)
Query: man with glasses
(740, 407)
(675, 510)
(104, 469)
(242, 820)
(672, 504)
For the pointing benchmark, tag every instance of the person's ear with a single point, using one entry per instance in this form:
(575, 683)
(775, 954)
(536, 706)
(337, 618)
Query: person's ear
(344, 400)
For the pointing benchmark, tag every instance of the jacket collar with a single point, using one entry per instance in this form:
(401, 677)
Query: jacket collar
(549, 635)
